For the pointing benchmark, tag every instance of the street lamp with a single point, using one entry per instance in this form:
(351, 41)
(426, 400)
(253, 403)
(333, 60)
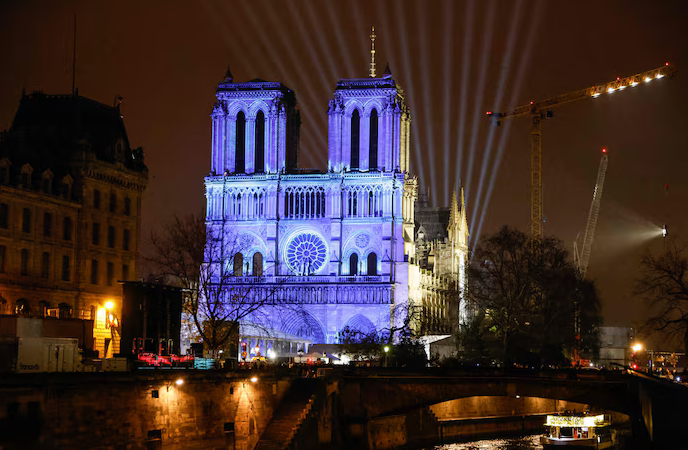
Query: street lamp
(386, 348)
(109, 305)
(637, 347)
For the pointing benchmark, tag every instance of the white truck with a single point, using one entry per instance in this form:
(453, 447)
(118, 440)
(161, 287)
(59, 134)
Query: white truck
(41, 354)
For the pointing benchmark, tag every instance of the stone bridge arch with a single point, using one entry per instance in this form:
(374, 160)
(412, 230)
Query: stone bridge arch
(373, 397)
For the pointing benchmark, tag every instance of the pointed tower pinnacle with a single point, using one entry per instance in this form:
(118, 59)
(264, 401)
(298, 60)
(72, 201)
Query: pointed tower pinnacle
(228, 75)
(464, 217)
(372, 53)
(388, 72)
(454, 209)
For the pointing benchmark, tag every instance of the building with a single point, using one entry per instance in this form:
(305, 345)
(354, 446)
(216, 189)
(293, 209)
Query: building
(615, 346)
(151, 318)
(337, 246)
(70, 208)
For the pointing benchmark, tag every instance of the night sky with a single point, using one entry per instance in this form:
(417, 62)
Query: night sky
(455, 61)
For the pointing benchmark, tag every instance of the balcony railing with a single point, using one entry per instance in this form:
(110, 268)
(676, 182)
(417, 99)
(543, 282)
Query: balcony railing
(309, 279)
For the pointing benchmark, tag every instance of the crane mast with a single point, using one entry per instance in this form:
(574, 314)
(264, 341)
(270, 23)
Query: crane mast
(542, 110)
(584, 257)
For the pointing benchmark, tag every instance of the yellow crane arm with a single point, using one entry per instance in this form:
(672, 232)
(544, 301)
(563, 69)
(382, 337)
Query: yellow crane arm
(535, 111)
(590, 92)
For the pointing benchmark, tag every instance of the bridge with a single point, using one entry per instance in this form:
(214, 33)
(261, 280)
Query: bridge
(279, 409)
(656, 407)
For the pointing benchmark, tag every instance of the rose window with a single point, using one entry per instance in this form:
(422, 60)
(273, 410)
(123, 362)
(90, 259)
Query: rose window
(362, 240)
(306, 254)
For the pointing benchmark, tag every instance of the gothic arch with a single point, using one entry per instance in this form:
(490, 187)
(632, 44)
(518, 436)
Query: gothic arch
(258, 105)
(360, 323)
(373, 103)
(240, 142)
(259, 142)
(303, 324)
(362, 200)
(354, 262)
(373, 139)
(372, 261)
(355, 140)
(235, 108)
(248, 243)
(351, 105)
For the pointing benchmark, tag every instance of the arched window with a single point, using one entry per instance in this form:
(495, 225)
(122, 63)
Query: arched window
(65, 311)
(260, 143)
(372, 158)
(238, 264)
(353, 264)
(257, 264)
(22, 308)
(371, 204)
(372, 264)
(240, 161)
(355, 138)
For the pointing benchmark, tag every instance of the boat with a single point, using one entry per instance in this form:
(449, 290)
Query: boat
(578, 431)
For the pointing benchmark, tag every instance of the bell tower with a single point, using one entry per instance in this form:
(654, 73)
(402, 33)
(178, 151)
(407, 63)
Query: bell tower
(368, 124)
(255, 128)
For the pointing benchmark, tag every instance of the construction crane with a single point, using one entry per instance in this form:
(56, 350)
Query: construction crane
(581, 259)
(541, 110)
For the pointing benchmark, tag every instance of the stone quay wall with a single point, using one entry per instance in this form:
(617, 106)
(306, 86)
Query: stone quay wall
(139, 410)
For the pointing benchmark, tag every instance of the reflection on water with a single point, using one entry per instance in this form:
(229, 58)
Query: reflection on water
(518, 443)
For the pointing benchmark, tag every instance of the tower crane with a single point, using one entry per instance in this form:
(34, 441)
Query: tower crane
(542, 110)
(582, 258)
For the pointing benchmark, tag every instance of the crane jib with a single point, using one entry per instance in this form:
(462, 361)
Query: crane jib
(541, 110)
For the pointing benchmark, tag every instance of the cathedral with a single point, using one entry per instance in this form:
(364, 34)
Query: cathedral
(350, 245)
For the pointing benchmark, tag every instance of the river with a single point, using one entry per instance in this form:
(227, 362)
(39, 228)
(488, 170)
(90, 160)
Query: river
(531, 442)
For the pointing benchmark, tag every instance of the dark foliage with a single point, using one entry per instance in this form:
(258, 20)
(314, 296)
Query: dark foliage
(526, 296)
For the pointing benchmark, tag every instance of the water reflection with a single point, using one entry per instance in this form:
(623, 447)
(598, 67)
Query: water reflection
(531, 442)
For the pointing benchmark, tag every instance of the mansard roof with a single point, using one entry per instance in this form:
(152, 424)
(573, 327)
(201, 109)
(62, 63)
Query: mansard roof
(50, 131)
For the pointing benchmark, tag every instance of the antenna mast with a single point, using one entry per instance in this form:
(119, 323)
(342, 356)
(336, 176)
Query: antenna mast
(74, 59)
(372, 53)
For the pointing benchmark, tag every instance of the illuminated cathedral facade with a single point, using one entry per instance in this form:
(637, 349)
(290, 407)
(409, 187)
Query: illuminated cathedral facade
(341, 243)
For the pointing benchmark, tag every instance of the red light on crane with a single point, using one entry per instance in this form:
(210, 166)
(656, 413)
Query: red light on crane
(604, 150)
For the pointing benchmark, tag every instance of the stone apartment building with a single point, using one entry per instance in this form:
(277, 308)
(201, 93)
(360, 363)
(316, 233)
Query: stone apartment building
(70, 212)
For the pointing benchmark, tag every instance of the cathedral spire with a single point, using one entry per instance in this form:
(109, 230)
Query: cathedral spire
(372, 53)
(454, 208)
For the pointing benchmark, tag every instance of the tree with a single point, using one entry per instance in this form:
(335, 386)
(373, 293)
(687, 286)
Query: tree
(405, 349)
(663, 285)
(528, 292)
(207, 262)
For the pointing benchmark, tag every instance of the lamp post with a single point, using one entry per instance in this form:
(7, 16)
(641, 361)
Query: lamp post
(637, 348)
(386, 350)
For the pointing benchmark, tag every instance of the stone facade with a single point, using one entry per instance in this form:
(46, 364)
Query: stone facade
(209, 410)
(70, 212)
(341, 243)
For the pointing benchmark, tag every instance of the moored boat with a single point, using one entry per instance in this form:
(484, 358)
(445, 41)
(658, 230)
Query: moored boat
(578, 431)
